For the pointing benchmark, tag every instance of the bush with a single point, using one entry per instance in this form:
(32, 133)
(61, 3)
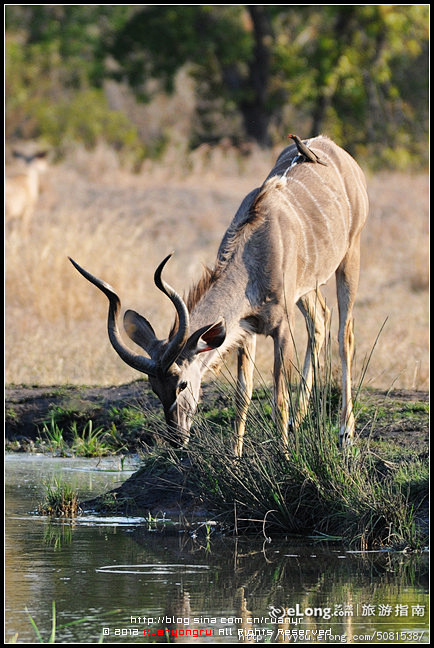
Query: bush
(50, 99)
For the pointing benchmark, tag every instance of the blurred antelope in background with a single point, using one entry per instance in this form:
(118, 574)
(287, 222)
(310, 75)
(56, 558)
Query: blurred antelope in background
(22, 189)
(287, 238)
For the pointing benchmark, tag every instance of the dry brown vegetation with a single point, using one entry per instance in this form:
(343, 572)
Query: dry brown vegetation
(120, 225)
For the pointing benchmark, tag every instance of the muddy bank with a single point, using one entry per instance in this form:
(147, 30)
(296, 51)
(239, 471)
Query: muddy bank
(395, 419)
(400, 416)
(27, 408)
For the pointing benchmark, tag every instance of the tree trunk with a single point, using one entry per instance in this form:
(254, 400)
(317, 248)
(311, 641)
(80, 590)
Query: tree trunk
(343, 34)
(254, 107)
(318, 116)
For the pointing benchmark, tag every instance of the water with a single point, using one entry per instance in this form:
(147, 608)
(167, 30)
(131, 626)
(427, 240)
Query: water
(131, 581)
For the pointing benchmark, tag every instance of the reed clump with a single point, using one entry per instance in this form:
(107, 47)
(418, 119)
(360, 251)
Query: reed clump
(317, 490)
(89, 441)
(311, 487)
(60, 500)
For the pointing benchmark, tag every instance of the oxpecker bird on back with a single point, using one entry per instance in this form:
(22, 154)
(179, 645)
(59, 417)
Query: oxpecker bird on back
(305, 151)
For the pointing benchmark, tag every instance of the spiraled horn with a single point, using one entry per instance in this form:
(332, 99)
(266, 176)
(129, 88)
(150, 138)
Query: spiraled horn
(179, 340)
(139, 362)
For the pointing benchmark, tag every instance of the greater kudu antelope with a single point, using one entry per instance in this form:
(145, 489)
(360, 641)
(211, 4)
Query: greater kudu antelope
(287, 238)
(22, 189)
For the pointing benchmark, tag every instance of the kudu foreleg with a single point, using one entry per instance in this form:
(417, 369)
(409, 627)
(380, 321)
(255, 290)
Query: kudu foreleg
(243, 395)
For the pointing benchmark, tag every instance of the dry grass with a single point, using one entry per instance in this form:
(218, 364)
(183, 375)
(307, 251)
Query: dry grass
(119, 226)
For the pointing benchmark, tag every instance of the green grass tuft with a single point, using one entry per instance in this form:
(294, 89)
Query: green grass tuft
(61, 499)
(367, 500)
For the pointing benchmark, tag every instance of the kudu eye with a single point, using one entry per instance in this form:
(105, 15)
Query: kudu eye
(182, 385)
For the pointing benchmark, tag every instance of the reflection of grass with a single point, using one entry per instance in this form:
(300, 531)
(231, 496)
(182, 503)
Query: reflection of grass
(57, 536)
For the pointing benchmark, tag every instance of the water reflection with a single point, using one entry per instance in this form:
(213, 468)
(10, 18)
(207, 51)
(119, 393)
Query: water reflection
(290, 590)
(127, 583)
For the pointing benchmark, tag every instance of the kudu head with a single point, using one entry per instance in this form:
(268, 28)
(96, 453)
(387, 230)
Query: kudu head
(173, 364)
(36, 160)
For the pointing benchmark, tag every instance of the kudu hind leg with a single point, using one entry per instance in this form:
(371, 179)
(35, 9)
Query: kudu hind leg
(317, 317)
(347, 279)
(243, 395)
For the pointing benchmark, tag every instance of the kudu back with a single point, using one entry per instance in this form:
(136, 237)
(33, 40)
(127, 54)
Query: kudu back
(288, 237)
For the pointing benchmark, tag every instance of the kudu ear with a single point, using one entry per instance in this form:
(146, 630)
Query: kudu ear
(206, 338)
(139, 330)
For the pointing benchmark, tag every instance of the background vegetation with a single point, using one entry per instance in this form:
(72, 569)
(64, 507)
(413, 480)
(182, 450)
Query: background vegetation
(357, 72)
(160, 119)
